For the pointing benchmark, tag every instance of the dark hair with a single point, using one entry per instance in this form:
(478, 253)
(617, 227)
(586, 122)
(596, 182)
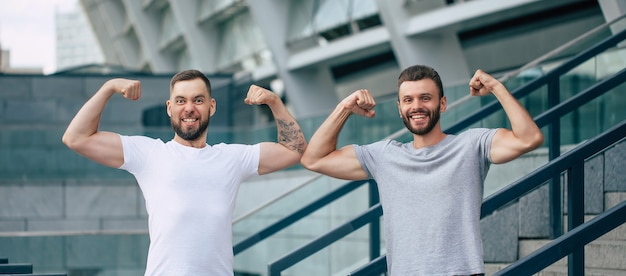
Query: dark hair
(191, 75)
(419, 72)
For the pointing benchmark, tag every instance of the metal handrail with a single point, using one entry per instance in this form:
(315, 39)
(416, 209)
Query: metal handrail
(275, 199)
(296, 215)
(371, 214)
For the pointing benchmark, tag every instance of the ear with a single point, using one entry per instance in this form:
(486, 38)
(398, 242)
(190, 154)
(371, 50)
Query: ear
(399, 111)
(168, 105)
(443, 104)
(212, 107)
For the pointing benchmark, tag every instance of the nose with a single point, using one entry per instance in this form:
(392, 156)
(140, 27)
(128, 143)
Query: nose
(416, 105)
(188, 107)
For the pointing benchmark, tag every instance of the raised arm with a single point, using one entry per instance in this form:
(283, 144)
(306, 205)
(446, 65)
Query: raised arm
(524, 135)
(291, 142)
(82, 134)
(322, 154)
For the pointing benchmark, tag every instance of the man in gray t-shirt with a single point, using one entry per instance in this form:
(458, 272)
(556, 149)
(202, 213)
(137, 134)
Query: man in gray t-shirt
(430, 188)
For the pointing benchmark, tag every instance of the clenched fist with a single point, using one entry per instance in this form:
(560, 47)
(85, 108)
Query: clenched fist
(259, 95)
(130, 89)
(360, 102)
(482, 83)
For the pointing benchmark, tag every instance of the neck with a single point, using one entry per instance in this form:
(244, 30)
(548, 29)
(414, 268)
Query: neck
(198, 143)
(429, 139)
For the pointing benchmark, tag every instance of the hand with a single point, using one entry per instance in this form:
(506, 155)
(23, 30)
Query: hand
(360, 102)
(130, 89)
(260, 95)
(482, 83)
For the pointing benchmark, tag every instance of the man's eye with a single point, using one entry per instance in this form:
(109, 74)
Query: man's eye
(199, 101)
(180, 101)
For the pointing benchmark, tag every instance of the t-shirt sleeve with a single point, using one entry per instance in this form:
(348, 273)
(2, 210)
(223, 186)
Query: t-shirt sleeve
(366, 155)
(250, 160)
(244, 158)
(484, 136)
(136, 151)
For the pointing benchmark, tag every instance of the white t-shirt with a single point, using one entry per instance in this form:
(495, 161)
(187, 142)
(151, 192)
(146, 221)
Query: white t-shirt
(190, 196)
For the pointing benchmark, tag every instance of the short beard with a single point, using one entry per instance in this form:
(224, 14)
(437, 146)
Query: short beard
(434, 119)
(191, 135)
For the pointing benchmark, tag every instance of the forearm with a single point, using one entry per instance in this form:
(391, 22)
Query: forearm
(289, 131)
(324, 140)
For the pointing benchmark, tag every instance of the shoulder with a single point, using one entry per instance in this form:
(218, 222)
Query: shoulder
(478, 133)
(224, 146)
(380, 146)
(237, 149)
(140, 140)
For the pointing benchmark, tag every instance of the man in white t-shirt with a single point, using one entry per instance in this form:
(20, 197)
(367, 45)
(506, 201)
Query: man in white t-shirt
(189, 186)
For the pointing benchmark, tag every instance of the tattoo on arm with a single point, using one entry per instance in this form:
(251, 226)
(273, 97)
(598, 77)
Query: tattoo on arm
(290, 135)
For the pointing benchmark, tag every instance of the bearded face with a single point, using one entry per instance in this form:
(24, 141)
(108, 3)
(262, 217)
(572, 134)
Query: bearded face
(188, 129)
(190, 108)
(428, 119)
(420, 105)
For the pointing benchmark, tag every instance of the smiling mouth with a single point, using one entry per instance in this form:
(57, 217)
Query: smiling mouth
(419, 118)
(189, 122)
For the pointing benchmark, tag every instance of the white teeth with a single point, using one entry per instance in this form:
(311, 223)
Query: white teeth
(189, 120)
(418, 116)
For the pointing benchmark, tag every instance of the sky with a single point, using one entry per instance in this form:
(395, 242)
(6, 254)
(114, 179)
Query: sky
(27, 30)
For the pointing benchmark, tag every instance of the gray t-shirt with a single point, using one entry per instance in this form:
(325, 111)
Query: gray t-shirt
(431, 200)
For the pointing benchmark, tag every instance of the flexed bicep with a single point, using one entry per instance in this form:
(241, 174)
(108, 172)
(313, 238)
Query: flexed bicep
(103, 147)
(82, 134)
(341, 163)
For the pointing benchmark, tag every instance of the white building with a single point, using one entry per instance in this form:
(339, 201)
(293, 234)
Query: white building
(76, 44)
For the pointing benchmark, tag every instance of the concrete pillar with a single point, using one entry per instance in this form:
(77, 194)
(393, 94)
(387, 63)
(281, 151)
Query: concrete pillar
(612, 9)
(107, 22)
(200, 38)
(441, 51)
(148, 34)
(310, 91)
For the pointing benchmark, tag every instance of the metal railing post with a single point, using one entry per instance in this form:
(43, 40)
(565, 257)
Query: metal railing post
(554, 151)
(374, 226)
(576, 214)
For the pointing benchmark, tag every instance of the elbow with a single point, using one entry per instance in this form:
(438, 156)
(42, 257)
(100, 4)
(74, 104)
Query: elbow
(308, 163)
(67, 140)
(534, 142)
(70, 141)
(305, 162)
(538, 140)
